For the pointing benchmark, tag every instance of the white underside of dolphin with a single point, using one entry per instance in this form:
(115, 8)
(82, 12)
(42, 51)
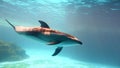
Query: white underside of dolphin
(44, 33)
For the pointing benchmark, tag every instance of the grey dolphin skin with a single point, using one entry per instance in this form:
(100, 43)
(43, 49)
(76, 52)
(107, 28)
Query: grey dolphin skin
(43, 32)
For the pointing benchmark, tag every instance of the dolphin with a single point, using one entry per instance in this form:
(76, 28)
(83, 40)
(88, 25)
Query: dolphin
(45, 33)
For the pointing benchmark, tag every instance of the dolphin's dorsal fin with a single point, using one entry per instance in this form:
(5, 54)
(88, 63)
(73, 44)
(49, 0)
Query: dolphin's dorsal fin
(54, 42)
(57, 51)
(43, 24)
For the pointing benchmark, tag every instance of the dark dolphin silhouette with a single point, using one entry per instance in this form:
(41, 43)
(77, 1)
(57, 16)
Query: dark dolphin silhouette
(44, 32)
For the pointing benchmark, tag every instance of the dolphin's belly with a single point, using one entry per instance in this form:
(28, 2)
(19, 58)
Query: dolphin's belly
(68, 43)
(51, 37)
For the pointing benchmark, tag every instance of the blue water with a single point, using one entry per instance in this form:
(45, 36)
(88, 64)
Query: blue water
(95, 22)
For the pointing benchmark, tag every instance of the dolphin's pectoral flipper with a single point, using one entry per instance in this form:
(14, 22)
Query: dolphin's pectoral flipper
(53, 43)
(57, 50)
(10, 23)
(43, 24)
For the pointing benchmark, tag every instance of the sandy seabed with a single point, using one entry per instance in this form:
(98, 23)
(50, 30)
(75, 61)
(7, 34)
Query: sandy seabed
(50, 62)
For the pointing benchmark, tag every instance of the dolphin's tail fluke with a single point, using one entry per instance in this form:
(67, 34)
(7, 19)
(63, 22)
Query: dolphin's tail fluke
(10, 23)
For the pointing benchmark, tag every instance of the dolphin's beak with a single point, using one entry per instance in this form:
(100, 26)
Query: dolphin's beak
(79, 42)
(10, 23)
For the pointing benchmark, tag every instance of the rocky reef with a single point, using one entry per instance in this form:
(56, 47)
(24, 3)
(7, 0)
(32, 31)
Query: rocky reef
(11, 52)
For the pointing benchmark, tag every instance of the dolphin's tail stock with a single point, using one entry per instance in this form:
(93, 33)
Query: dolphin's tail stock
(10, 23)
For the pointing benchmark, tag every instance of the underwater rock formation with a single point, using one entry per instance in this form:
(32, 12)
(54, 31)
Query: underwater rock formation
(11, 52)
